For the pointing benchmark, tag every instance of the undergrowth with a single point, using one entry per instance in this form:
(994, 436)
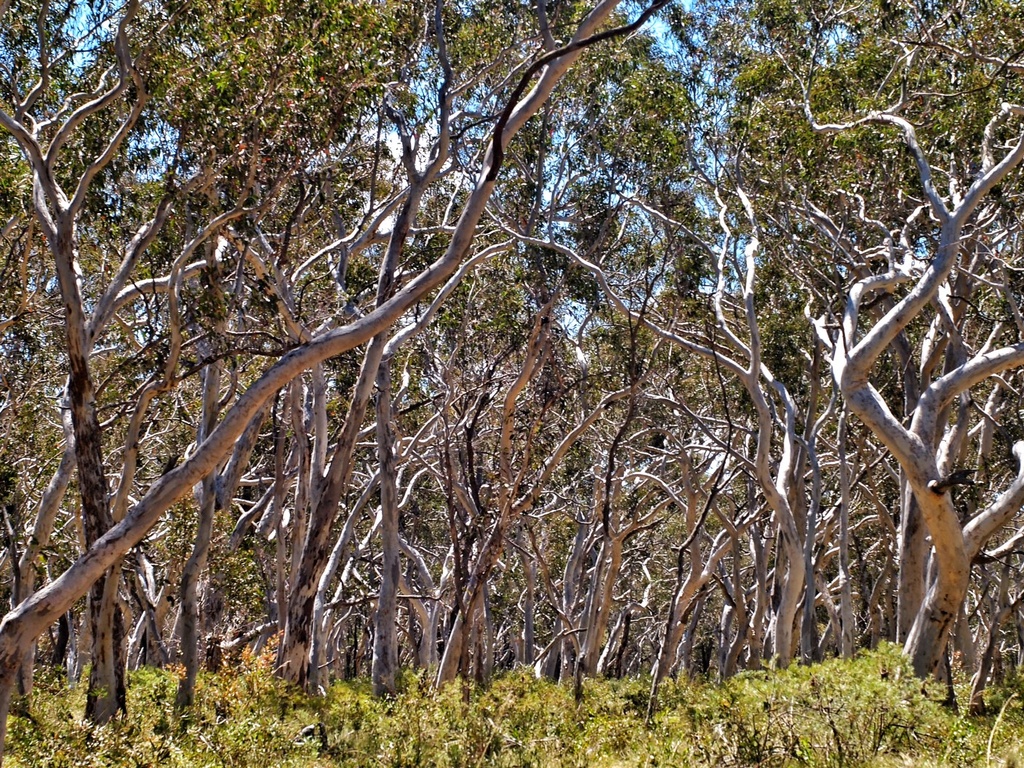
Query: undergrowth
(870, 711)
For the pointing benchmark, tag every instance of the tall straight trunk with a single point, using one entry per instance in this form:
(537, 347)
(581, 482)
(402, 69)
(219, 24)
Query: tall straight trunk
(572, 577)
(530, 572)
(196, 565)
(809, 621)
(809, 458)
(847, 627)
(385, 637)
(106, 693)
(42, 529)
(913, 563)
(762, 598)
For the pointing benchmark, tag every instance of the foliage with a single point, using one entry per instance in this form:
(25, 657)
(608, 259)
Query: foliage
(864, 712)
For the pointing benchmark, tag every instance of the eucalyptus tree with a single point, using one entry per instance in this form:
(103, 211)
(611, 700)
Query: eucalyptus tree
(58, 212)
(902, 254)
(521, 444)
(138, 124)
(930, 449)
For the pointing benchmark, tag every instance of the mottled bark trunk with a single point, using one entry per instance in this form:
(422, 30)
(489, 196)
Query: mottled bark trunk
(196, 565)
(723, 634)
(792, 588)
(913, 564)
(385, 637)
(316, 548)
(106, 694)
(847, 621)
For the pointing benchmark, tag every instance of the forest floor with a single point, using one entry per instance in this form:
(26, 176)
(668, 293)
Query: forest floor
(866, 712)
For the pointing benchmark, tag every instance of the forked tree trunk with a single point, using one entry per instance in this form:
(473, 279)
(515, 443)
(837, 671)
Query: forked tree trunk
(792, 588)
(294, 657)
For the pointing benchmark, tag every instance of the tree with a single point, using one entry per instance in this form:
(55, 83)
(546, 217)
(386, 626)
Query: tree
(20, 626)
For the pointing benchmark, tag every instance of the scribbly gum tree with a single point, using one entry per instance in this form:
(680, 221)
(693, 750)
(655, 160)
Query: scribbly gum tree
(433, 134)
(932, 448)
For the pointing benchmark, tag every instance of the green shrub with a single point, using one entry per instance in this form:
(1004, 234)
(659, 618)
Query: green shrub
(831, 714)
(870, 711)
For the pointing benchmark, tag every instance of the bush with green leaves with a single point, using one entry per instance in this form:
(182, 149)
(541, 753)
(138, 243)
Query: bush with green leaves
(839, 713)
(870, 711)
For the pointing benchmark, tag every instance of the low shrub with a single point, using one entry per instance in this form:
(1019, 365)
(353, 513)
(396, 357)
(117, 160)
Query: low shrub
(870, 711)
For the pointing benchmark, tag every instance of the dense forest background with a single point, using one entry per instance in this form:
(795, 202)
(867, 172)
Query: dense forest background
(615, 340)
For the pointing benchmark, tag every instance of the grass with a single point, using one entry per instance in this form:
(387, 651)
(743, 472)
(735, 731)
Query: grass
(870, 711)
